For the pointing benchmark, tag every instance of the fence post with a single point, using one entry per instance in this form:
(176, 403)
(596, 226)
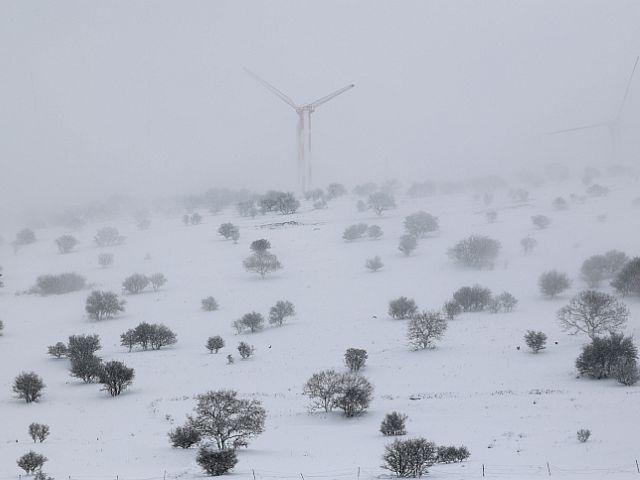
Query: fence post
(253, 472)
(548, 469)
(637, 466)
(358, 473)
(302, 476)
(483, 469)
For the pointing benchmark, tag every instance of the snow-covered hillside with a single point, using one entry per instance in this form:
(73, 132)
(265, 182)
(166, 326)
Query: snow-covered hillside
(514, 410)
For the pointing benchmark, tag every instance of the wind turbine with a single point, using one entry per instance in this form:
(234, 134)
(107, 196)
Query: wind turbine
(304, 127)
(613, 125)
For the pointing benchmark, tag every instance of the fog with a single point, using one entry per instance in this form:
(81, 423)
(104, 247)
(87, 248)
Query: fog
(150, 97)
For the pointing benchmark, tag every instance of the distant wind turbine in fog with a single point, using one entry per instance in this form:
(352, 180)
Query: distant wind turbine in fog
(612, 125)
(304, 128)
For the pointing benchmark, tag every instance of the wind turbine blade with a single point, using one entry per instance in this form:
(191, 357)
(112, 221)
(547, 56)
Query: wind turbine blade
(322, 100)
(626, 92)
(272, 89)
(583, 127)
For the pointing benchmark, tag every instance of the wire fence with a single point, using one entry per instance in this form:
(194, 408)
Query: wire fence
(466, 470)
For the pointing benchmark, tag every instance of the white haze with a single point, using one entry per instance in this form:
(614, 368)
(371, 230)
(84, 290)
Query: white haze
(150, 97)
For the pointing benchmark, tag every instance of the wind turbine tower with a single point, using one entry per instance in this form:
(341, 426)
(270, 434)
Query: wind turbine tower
(612, 125)
(305, 171)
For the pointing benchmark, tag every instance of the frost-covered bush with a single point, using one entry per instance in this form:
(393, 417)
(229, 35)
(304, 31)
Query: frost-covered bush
(355, 358)
(281, 202)
(116, 377)
(593, 313)
(214, 344)
(354, 232)
(31, 461)
(148, 335)
(245, 350)
(627, 281)
(409, 458)
(374, 264)
(603, 355)
(451, 309)
(393, 424)
(157, 280)
(541, 221)
(58, 350)
(59, 284)
(472, 299)
(226, 419)
(425, 328)
(135, 283)
(38, 432)
(402, 308)
(335, 190)
(420, 224)
(25, 237)
(82, 345)
(583, 435)
(28, 386)
(280, 311)
(552, 283)
(355, 394)
(247, 208)
(380, 202)
(252, 321)
(184, 437)
(101, 305)
(528, 244)
(105, 259)
(66, 243)
(536, 341)
(476, 251)
(602, 267)
(227, 230)
(108, 237)
(560, 204)
(196, 219)
(260, 246)
(374, 232)
(209, 304)
(451, 454)
(262, 263)
(408, 244)
(216, 462)
(87, 368)
(597, 190)
(505, 302)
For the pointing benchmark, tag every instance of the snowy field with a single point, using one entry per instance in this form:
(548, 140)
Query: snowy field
(514, 410)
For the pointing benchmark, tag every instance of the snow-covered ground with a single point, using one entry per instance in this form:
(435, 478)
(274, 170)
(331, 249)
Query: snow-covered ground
(514, 410)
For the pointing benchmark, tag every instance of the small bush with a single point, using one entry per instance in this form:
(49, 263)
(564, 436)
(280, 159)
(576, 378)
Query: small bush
(135, 283)
(420, 224)
(361, 206)
(252, 321)
(627, 281)
(116, 377)
(280, 311)
(216, 462)
(528, 244)
(101, 305)
(476, 251)
(184, 437)
(374, 232)
(450, 454)
(552, 283)
(260, 246)
(402, 308)
(541, 221)
(105, 259)
(25, 237)
(355, 358)
(227, 230)
(354, 232)
(626, 372)
(209, 304)
(451, 309)
(66, 243)
(28, 386)
(560, 204)
(393, 424)
(536, 341)
(146, 335)
(408, 244)
(491, 216)
(157, 280)
(603, 355)
(583, 435)
(58, 350)
(472, 299)
(425, 328)
(409, 458)
(355, 394)
(380, 202)
(214, 344)
(86, 367)
(38, 432)
(374, 264)
(108, 237)
(31, 461)
(59, 284)
(245, 350)
(196, 219)
(262, 263)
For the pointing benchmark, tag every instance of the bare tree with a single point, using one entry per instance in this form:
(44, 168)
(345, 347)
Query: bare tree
(476, 251)
(323, 389)
(552, 283)
(424, 328)
(105, 259)
(262, 263)
(381, 201)
(420, 224)
(593, 313)
(280, 311)
(66, 243)
(157, 280)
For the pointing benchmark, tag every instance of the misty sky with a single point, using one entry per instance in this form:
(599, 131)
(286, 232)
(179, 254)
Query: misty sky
(150, 96)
